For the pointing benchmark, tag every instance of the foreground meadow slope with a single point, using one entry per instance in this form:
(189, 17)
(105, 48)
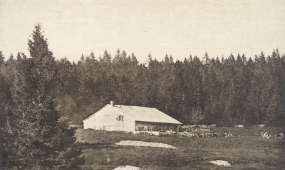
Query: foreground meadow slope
(245, 150)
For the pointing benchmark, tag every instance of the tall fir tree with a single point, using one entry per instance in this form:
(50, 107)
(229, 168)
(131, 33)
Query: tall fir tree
(45, 141)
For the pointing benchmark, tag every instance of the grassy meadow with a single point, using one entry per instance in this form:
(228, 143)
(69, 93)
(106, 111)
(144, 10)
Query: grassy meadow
(246, 150)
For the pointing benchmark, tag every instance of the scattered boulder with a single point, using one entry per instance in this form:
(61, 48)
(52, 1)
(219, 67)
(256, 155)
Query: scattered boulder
(265, 135)
(220, 163)
(127, 168)
(146, 133)
(226, 135)
(279, 135)
(261, 125)
(215, 135)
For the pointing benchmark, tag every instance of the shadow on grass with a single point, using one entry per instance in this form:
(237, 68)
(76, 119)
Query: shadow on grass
(97, 145)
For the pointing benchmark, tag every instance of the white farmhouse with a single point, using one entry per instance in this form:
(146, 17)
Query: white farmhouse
(130, 118)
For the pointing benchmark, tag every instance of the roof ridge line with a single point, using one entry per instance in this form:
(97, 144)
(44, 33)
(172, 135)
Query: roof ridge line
(136, 106)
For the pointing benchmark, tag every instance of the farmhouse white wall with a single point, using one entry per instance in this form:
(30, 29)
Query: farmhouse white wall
(107, 119)
(134, 118)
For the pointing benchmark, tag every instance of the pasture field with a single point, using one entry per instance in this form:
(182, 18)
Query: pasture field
(246, 150)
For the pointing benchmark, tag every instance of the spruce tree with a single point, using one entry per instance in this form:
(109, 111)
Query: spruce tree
(1, 58)
(6, 121)
(44, 140)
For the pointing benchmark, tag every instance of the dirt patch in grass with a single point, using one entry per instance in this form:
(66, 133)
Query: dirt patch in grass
(127, 168)
(140, 143)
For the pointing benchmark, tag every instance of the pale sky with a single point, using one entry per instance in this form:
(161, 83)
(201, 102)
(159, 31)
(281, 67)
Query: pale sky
(174, 27)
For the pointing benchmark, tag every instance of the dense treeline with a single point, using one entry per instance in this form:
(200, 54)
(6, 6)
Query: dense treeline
(228, 91)
(233, 90)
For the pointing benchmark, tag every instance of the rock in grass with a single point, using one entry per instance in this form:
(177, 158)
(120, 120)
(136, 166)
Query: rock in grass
(220, 163)
(127, 168)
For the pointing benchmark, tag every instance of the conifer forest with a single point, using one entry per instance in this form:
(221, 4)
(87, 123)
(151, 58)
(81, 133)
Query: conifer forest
(230, 90)
(142, 85)
(39, 95)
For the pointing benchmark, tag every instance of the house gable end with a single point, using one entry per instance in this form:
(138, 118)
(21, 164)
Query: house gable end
(95, 113)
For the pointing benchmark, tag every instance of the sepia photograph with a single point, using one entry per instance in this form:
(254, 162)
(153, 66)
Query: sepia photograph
(142, 85)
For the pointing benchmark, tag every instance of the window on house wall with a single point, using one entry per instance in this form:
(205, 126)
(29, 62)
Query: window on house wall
(120, 118)
(141, 128)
